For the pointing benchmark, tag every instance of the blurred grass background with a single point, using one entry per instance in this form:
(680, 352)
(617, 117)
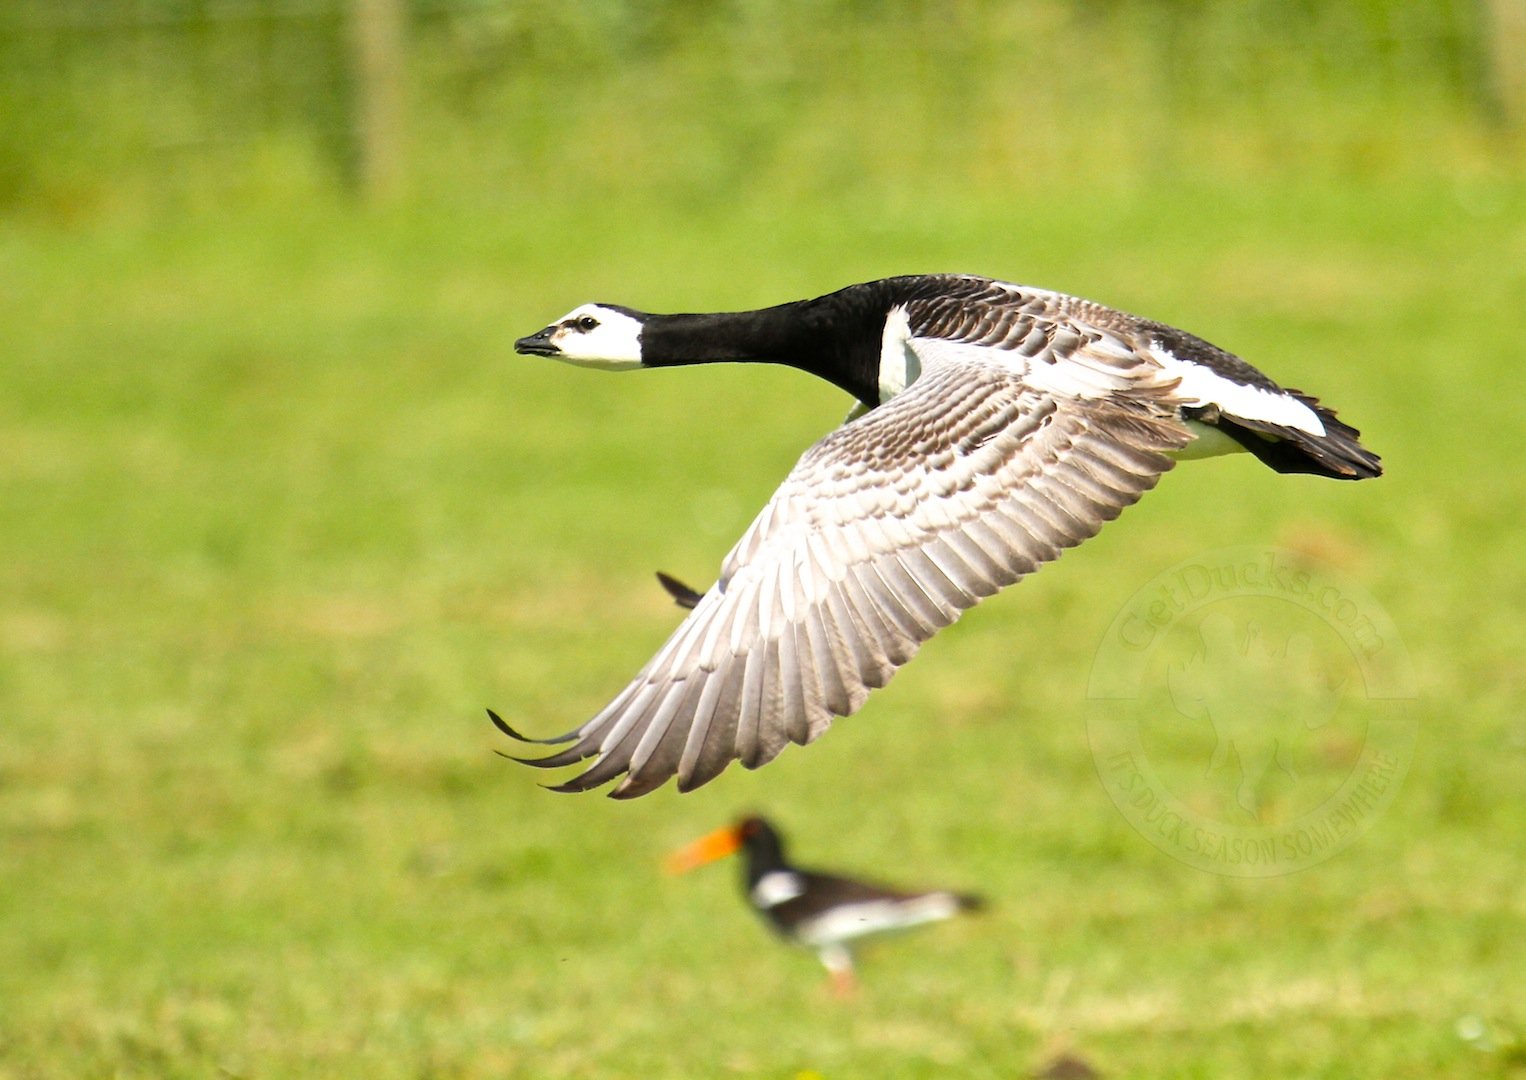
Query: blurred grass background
(280, 512)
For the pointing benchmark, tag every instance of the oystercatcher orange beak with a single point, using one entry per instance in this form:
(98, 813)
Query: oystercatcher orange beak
(706, 849)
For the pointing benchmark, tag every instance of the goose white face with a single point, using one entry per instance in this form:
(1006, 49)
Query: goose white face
(592, 335)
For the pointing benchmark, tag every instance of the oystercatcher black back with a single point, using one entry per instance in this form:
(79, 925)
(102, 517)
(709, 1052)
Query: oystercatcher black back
(995, 426)
(822, 912)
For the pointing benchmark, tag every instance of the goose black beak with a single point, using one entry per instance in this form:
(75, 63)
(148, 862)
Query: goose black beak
(537, 344)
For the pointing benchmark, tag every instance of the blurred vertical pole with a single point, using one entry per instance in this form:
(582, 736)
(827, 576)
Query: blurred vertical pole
(1506, 27)
(377, 38)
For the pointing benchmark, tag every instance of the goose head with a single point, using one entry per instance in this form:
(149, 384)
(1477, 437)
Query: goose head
(592, 335)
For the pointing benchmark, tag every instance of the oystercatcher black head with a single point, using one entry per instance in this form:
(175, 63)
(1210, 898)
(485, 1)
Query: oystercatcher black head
(818, 911)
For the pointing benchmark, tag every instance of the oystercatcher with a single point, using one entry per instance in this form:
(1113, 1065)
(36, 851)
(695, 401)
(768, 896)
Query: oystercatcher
(995, 426)
(819, 911)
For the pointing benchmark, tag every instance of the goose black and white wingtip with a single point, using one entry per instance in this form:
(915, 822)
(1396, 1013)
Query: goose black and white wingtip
(503, 726)
(1000, 425)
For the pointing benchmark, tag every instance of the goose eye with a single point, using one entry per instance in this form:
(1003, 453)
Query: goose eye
(587, 322)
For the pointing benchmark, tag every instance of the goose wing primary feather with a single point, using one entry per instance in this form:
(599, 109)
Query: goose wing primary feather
(885, 532)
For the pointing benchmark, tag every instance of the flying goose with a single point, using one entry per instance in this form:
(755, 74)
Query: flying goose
(819, 911)
(995, 426)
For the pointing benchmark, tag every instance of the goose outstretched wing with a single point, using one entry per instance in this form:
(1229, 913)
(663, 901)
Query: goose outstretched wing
(885, 532)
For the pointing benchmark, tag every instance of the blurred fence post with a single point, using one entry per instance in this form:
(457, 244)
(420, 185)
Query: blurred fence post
(1506, 29)
(378, 109)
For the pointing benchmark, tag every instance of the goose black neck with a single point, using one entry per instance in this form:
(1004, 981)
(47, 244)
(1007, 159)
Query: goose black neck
(834, 337)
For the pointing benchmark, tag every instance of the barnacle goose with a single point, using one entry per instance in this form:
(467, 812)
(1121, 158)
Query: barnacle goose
(995, 425)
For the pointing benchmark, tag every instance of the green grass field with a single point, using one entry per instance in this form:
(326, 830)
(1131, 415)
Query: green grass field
(281, 512)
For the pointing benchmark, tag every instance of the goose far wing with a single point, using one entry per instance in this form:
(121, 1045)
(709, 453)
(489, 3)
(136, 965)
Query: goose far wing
(884, 533)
